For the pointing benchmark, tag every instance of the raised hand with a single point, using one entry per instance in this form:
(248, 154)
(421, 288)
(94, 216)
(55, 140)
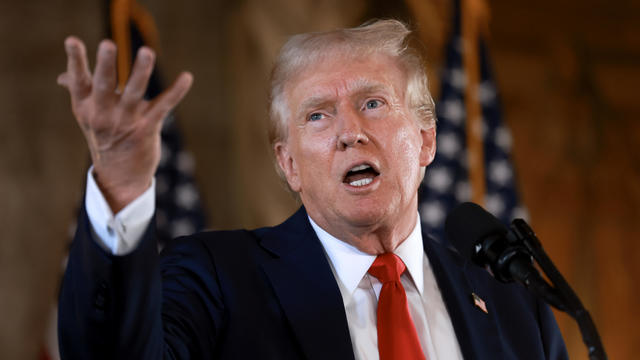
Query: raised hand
(122, 129)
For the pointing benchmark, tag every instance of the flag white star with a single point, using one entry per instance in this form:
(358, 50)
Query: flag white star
(494, 204)
(503, 139)
(185, 162)
(500, 172)
(186, 196)
(182, 227)
(432, 213)
(457, 78)
(520, 213)
(463, 191)
(448, 144)
(453, 110)
(439, 179)
(486, 93)
(165, 153)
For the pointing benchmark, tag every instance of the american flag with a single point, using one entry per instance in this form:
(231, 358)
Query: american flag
(179, 210)
(446, 182)
(479, 303)
(178, 206)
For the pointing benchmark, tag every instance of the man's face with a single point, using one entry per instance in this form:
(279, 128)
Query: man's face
(354, 149)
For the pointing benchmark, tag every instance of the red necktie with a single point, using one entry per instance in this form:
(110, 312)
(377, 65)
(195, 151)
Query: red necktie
(397, 336)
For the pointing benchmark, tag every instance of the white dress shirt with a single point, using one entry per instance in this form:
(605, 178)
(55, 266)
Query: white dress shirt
(360, 293)
(121, 233)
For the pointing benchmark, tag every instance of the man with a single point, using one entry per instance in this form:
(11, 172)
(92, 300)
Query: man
(348, 276)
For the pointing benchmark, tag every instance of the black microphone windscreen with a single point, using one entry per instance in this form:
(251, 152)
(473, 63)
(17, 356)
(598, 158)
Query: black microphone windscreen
(468, 224)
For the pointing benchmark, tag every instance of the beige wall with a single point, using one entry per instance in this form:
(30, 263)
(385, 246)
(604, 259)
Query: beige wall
(41, 164)
(568, 75)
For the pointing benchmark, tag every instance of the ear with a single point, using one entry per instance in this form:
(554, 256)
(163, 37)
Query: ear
(287, 165)
(428, 149)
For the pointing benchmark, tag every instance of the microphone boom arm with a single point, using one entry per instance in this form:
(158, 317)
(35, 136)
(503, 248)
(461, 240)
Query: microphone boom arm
(571, 304)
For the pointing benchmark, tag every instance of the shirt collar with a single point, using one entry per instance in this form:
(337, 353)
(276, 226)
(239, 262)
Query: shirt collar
(351, 264)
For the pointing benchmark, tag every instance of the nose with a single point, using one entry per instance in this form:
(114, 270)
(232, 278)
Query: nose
(350, 131)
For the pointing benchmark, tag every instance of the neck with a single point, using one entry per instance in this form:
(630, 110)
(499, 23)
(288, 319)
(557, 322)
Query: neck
(374, 239)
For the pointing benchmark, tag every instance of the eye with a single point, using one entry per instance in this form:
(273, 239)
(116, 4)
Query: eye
(316, 116)
(372, 104)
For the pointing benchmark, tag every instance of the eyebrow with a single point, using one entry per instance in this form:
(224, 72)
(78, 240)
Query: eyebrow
(361, 87)
(314, 102)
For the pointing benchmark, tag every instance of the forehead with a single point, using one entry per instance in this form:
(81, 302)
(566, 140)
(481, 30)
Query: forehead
(332, 77)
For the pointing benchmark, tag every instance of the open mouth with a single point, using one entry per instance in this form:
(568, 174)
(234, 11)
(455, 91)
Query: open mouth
(360, 175)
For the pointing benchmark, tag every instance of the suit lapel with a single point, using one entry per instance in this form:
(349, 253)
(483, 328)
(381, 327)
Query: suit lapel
(302, 279)
(307, 290)
(476, 330)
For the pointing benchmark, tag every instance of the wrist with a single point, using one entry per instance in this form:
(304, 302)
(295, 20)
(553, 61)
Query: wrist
(119, 194)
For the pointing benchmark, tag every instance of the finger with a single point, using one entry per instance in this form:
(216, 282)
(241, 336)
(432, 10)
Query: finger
(78, 78)
(137, 84)
(166, 101)
(63, 80)
(104, 79)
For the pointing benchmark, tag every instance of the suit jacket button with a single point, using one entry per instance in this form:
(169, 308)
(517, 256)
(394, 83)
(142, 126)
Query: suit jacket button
(100, 300)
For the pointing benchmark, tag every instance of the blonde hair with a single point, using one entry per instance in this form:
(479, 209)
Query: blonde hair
(388, 37)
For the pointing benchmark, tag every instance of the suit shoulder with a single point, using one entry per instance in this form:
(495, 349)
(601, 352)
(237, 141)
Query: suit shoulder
(214, 243)
(216, 239)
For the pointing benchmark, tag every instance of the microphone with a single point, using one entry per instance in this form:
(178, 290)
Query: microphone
(482, 238)
(508, 255)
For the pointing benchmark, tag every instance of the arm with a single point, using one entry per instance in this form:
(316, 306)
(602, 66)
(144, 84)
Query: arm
(111, 305)
(126, 307)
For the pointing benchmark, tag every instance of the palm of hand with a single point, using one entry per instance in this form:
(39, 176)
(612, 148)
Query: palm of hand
(122, 129)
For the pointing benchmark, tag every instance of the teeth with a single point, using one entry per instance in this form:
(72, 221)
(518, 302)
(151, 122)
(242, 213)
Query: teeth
(361, 182)
(360, 167)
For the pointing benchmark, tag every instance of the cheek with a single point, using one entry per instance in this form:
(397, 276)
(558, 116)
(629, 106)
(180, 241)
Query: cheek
(314, 159)
(405, 160)
(406, 143)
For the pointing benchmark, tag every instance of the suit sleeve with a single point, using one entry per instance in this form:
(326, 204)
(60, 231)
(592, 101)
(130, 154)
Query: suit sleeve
(117, 307)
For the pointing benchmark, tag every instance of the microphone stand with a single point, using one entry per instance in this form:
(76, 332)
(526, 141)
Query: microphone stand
(561, 292)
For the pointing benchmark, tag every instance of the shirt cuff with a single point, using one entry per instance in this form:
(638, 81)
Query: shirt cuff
(119, 234)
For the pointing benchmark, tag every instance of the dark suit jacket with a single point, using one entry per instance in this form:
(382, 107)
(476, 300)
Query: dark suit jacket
(264, 294)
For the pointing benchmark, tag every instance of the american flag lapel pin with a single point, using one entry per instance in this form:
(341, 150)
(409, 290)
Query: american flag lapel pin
(479, 303)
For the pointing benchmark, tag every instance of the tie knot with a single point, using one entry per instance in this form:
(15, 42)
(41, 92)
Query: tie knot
(387, 267)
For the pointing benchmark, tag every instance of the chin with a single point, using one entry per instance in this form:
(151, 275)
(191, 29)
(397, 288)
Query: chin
(365, 215)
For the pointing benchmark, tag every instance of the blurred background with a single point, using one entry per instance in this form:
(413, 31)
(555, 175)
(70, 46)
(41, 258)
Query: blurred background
(567, 72)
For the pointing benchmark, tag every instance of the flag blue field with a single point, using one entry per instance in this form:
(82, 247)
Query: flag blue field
(446, 182)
